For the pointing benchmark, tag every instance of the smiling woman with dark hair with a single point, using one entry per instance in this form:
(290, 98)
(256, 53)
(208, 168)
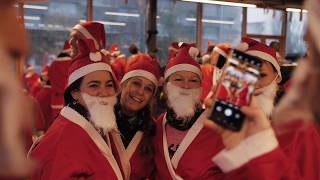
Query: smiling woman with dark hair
(77, 145)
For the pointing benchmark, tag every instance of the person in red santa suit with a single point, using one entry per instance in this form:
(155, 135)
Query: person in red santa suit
(183, 146)
(117, 60)
(43, 115)
(77, 145)
(289, 148)
(134, 118)
(32, 80)
(270, 75)
(211, 72)
(58, 75)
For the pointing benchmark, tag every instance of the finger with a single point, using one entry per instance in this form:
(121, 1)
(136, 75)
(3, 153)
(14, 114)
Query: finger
(212, 125)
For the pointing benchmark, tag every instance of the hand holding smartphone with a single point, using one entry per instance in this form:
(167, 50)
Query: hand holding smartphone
(235, 89)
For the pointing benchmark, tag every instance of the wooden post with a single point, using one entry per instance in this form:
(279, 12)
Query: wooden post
(244, 21)
(89, 10)
(283, 41)
(199, 26)
(19, 63)
(152, 27)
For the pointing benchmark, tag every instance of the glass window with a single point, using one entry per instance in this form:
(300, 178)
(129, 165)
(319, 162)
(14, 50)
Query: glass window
(221, 24)
(49, 25)
(125, 23)
(176, 22)
(264, 21)
(295, 32)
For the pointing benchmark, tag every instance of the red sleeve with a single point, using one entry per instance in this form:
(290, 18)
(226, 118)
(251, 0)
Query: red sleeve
(271, 166)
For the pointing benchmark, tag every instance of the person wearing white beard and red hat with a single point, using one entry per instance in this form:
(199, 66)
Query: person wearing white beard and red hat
(270, 74)
(77, 145)
(58, 75)
(134, 118)
(212, 72)
(183, 146)
(289, 147)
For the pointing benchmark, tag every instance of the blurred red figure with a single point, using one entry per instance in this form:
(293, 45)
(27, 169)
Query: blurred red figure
(15, 111)
(58, 79)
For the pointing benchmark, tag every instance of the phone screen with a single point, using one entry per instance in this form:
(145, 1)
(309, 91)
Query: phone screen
(235, 90)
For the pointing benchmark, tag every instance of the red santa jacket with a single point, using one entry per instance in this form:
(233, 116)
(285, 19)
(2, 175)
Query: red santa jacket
(44, 113)
(139, 165)
(73, 149)
(296, 157)
(192, 160)
(58, 78)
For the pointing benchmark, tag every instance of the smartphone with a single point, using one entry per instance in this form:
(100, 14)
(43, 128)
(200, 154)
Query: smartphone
(234, 89)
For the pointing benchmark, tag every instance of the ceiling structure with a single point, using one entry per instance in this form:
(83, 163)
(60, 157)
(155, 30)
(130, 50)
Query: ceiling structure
(277, 4)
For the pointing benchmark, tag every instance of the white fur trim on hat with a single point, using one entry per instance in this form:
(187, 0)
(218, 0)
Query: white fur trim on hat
(95, 56)
(141, 73)
(86, 34)
(88, 69)
(266, 57)
(242, 46)
(220, 51)
(183, 67)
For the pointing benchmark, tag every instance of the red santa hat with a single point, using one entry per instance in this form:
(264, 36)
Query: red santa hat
(84, 65)
(144, 66)
(94, 31)
(260, 50)
(45, 70)
(223, 49)
(28, 68)
(66, 47)
(184, 61)
(114, 50)
(266, 53)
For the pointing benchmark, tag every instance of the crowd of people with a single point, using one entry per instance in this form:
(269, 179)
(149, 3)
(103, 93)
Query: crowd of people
(98, 115)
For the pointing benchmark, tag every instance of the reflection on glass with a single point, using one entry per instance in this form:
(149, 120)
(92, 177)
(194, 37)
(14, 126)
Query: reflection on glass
(221, 24)
(125, 23)
(176, 22)
(295, 33)
(264, 21)
(49, 25)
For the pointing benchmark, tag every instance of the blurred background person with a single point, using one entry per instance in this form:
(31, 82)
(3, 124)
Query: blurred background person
(15, 111)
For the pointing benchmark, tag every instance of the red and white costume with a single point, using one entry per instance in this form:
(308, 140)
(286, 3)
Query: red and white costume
(141, 166)
(72, 148)
(192, 160)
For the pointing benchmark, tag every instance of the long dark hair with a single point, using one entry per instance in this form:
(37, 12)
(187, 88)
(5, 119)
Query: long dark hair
(73, 103)
(148, 127)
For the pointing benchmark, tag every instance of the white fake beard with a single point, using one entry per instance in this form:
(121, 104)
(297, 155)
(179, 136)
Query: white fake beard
(101, 110)
(265, 98)
(184, 102)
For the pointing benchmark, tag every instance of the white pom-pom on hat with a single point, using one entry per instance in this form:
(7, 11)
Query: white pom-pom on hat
(95, 56)
(193, 52)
